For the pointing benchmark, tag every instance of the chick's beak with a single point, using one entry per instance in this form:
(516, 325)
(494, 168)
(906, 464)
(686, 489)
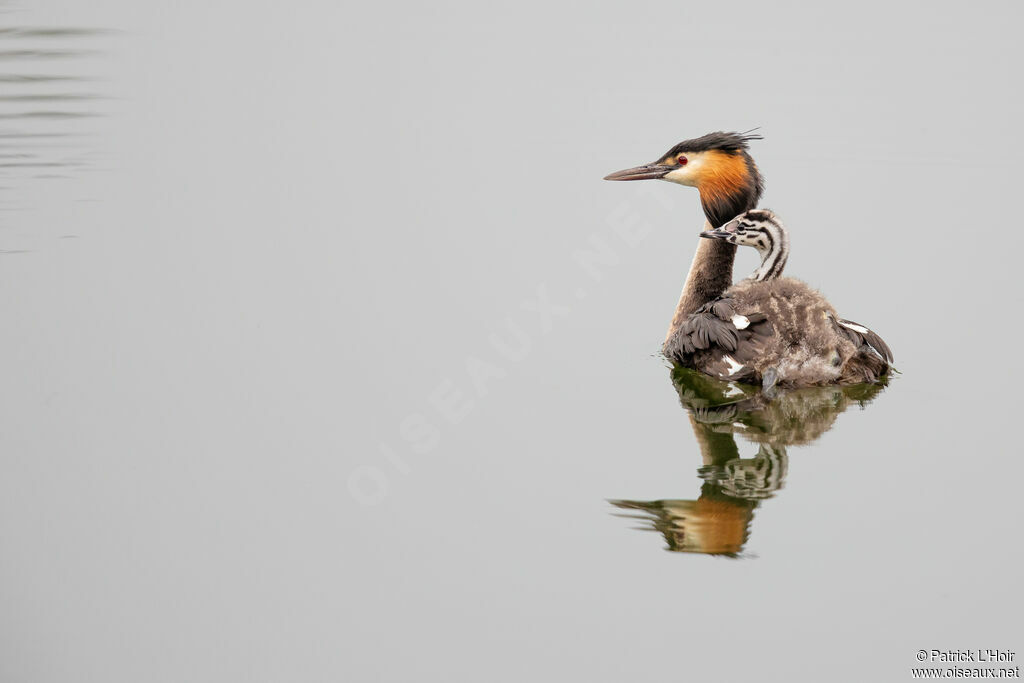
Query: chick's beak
(716, 234)
(646, 172)
(722, 232)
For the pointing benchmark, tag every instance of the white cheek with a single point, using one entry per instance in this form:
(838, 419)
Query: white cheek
(683, 176)
(688, 174)
(679, 175)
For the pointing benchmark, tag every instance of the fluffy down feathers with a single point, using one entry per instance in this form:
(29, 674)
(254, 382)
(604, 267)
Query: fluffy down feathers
(791, 327)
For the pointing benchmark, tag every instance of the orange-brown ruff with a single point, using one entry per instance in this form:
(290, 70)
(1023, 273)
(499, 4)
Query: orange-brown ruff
(714, 524)
(722, 177)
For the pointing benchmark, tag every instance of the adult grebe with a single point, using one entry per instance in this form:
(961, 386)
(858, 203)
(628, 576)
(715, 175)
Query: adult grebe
(766, 330)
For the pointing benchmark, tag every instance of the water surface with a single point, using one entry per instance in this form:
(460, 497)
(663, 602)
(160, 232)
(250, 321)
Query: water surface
(328, 355)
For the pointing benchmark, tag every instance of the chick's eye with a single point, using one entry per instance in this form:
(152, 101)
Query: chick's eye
(681, 161)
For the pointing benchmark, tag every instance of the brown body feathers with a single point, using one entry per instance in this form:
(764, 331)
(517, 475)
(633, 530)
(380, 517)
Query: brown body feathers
(781, 324)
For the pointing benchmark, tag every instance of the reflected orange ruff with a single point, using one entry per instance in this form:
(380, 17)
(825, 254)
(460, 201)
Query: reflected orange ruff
(715, 526)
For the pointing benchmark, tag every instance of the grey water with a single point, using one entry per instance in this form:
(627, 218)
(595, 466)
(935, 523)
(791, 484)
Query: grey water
(329, 356)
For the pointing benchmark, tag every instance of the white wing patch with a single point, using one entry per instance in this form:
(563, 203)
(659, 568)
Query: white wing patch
(734, 367)
(853, 326)
(740, 321)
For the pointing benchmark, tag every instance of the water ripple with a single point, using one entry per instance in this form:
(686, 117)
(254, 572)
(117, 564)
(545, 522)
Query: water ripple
(49, 104)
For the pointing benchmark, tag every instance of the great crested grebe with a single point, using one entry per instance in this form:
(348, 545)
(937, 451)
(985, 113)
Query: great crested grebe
(766, 329)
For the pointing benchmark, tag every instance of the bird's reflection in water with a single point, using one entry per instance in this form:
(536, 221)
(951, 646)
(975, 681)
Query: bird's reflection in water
(718, 521)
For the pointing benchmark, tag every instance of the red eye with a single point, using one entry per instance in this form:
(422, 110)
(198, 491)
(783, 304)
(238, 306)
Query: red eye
(681, 161)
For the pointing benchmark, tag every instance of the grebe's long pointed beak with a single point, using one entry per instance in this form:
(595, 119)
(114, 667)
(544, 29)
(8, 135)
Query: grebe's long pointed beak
(645, 172)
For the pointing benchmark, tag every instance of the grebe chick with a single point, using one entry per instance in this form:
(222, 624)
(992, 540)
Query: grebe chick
(810, 343)
(762, 230)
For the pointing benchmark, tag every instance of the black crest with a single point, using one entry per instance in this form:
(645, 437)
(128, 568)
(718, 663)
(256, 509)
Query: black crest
(725, 142)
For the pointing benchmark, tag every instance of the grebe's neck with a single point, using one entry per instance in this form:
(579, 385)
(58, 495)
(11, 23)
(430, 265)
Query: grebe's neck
(774, 253)
(710, 275)
(733, 188)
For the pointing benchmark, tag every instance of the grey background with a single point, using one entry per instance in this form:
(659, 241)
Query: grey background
(295, 225)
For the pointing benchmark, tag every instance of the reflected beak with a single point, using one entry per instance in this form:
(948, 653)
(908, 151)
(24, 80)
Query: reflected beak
(647, 172)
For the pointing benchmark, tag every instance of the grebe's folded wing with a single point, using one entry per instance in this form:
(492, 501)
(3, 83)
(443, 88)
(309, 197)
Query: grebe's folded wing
(862, 336)
(718, 341)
